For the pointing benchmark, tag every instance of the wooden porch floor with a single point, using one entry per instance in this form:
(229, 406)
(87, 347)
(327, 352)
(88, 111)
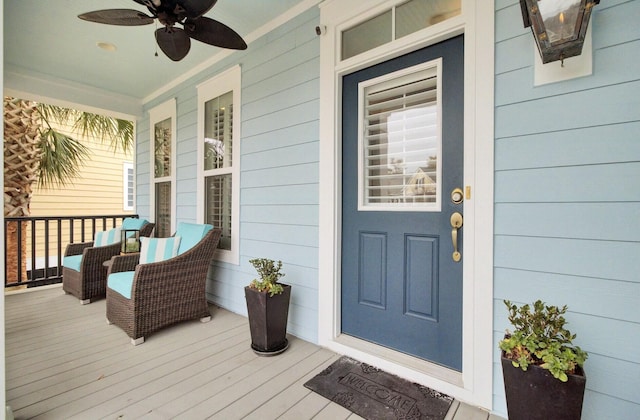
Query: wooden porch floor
(64, 362)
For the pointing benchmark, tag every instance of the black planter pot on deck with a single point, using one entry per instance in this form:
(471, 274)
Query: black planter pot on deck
(268, 320)
(535, 394)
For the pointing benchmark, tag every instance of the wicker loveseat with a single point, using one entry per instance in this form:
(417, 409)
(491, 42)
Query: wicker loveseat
(84, 274)
(145, 297)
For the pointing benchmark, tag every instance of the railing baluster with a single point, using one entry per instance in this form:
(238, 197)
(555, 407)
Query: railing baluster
(34, 257)
(59, 249)
(19, 239)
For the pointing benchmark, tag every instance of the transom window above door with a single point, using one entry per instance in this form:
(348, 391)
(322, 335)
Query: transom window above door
(397, 22)
(401, 140)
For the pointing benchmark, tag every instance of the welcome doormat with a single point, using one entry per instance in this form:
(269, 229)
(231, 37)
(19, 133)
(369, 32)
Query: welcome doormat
(374, 394)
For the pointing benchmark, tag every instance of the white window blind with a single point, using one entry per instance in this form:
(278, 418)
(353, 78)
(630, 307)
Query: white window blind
(400, 145)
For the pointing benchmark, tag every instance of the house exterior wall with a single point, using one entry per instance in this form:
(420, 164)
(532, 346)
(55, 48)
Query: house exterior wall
(567, 199)
(278, 164)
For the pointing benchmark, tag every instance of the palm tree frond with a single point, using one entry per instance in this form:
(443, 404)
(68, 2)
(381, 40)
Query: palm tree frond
(61, 159)
(119, 132)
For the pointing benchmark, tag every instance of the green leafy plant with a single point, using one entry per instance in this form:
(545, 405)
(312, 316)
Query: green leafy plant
(269, 272)
(540, 338)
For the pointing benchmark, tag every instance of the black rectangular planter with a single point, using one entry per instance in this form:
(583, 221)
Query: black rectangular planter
(535, 394)
(268, 320)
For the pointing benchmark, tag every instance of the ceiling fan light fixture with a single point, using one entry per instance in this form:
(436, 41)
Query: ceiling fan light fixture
(173, 41)
(107, 46)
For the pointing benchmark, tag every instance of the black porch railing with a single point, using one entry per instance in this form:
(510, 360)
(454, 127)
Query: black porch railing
(34, 246)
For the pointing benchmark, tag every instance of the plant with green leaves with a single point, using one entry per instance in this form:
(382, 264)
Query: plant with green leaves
(269, 272)
(540, 338)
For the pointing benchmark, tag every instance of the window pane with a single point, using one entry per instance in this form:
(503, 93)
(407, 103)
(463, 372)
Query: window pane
(162, 153)
(419, 14)
(163, 210)
(367, 35)
(130, 187)
(218, 209)
(218, 132)
(401, 142)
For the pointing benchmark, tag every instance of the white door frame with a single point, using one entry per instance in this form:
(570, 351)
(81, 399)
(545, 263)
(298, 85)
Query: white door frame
(475, 384)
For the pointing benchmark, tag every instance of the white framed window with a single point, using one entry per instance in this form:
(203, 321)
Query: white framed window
(219, 159)
(162, 120)
(400, 140)
(128, 187)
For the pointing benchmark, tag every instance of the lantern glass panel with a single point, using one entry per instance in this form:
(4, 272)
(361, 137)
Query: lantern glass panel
(560, 19)
(130, 241)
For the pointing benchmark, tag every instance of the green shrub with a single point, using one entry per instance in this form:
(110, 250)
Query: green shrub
(269, 273)
(540, 338)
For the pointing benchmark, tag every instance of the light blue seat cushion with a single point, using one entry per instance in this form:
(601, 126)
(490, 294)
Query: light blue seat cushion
(72, 262)
(131, 223)
(191, 234)
(121, 282)
(158, 249)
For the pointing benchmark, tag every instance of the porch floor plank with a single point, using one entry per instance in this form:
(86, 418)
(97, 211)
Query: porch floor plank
(64, 362)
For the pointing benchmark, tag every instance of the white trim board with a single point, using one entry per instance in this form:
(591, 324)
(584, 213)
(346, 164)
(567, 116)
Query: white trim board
(475, 384)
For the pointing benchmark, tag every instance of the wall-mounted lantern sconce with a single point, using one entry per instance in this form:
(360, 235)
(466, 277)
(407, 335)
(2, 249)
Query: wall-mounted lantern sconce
(559, 26)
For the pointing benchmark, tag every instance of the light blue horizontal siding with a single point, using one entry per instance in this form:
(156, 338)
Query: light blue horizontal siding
(612, 299)
(278, 165)
(280, 195)
(613, 260)
(567, 199)
(569, 220)
(282, 137)
(279, 168)
(297, 154)
(600, 106)
(586, 146)
(589, 183)
(305, 215)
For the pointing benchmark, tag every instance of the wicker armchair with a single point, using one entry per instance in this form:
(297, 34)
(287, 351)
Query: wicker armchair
(162, 293)
(91, 281)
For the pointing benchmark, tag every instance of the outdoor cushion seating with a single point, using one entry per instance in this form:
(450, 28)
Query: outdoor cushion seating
(84, 274)
(145, 297)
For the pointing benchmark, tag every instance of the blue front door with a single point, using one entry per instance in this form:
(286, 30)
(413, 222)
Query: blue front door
(402, 163)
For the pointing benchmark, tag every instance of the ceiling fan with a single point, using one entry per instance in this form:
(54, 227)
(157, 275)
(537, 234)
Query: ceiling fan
(173, 41)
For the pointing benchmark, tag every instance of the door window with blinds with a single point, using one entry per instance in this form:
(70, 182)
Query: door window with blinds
(219, 159)
(400, 141)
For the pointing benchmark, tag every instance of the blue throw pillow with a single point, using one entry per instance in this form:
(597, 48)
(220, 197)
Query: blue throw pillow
(191, 234)
(158, 249)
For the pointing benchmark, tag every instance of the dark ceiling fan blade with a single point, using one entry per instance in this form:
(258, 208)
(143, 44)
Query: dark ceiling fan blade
(174, 42)
(123, 17)
(214, 33)
(196, 8)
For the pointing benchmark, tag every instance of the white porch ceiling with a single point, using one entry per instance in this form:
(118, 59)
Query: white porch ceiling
(45, 42)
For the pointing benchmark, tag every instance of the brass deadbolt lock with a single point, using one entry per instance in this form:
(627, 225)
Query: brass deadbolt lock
(457, 196)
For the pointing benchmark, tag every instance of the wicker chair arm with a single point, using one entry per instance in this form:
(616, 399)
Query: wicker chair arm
(76, 248)
(126, 262)
(147, 229)
(99, 254)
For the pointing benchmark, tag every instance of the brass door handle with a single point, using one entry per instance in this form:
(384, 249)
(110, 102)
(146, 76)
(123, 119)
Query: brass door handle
(456, 223)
